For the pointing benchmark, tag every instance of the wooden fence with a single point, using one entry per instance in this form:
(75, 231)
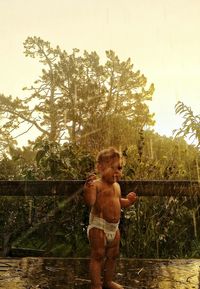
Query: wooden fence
(72, 187)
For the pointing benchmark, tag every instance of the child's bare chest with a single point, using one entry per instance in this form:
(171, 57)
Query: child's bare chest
(107, 195)
(108, 203)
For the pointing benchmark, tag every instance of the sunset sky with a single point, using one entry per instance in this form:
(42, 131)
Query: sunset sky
(161, 37)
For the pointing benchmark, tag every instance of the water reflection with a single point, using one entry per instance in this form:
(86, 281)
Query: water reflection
(180, 275)
(52, 273)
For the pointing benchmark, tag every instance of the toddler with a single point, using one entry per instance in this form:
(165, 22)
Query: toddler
(103, 195)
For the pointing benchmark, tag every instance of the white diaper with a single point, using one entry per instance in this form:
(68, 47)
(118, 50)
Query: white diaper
(109, 229)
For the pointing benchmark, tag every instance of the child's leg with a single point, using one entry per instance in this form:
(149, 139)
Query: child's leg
(97, 243)
(112, 252)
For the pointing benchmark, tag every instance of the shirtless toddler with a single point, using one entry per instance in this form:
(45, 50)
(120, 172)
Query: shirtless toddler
(103, 195)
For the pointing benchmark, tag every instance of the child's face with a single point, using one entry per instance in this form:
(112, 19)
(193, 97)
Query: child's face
(111, 171)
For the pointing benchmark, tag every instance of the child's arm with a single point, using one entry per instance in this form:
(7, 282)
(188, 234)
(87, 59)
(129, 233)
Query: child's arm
(90, 190)
(129, 200)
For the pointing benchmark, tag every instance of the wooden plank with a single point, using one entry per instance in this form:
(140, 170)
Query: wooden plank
(162, 187)
(40, 188)
(7, 263)
(71, 187)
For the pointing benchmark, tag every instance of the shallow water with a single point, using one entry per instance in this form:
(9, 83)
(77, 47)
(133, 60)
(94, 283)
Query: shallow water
(58, 273)
(10, 277)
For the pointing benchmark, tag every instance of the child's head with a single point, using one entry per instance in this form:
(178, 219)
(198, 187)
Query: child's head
(107, 155)
(109, 164)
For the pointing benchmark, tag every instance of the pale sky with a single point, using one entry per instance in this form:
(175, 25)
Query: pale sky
(161, 37)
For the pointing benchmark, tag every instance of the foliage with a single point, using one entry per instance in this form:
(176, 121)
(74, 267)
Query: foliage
(65, 161)
(80, 106)
(6, 127)
(161, 228)
(191, 124)
(161, 158)
(30, 218)
(57, 225)
(12, 221)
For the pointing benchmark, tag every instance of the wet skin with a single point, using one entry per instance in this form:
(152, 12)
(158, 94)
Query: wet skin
(104, 195)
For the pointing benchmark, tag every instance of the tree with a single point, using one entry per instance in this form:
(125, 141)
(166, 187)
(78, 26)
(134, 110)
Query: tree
(8, 124)
(45, 98)
(79, 100)
(121, 112)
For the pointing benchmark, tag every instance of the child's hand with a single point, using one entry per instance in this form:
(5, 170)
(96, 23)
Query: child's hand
(132, 197)
(90, 179)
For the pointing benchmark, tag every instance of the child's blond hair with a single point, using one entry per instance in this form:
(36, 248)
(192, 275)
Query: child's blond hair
(107, 155)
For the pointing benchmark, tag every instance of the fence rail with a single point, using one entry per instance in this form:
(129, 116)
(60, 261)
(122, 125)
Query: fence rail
(71, 187)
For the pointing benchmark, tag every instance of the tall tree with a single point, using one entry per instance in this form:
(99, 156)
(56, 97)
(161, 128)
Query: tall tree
(79, 100)
(121, 111)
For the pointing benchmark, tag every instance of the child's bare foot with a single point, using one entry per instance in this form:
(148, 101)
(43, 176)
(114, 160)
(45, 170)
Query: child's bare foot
(112, 285)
